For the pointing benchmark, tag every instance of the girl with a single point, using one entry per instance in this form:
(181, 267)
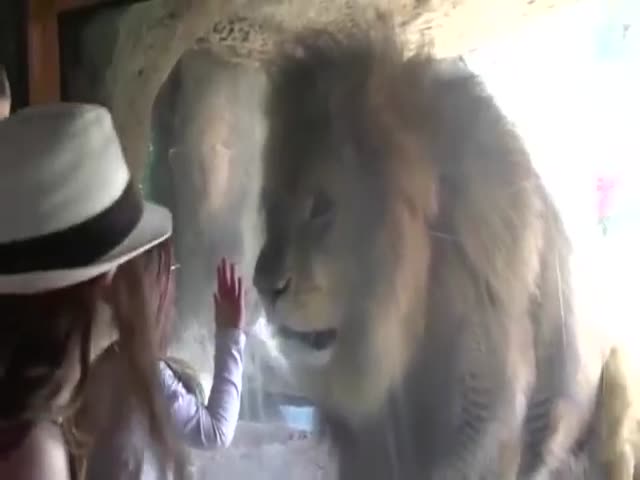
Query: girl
(72, 228)
(121, 447)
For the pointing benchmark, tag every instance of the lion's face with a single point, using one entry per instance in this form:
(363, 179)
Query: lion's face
(341, 270)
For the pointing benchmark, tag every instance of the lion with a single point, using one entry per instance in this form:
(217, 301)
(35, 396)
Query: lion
(416, 271)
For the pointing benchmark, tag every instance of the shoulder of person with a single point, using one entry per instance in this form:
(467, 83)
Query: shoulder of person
(41, 456)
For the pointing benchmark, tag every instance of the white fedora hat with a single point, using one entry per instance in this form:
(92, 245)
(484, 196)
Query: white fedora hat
(68, 208)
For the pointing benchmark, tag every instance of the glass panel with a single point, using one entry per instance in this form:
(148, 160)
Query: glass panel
(568, 82)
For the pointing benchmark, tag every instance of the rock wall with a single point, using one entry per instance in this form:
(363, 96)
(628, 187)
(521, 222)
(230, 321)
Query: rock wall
(209, 115)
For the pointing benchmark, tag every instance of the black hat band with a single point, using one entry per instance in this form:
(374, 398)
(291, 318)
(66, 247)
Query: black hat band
(77, 246)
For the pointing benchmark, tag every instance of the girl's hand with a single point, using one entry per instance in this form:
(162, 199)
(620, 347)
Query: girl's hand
(229, 299)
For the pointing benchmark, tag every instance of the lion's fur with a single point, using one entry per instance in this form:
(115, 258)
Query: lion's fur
(618, 419)
(445, 267)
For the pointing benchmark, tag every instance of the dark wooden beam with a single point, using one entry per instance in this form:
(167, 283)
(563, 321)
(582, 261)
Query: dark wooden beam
(43, 53)
(66, 5)
(43, 48)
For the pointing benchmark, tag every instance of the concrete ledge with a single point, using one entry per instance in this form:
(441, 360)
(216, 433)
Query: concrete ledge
(268, 451)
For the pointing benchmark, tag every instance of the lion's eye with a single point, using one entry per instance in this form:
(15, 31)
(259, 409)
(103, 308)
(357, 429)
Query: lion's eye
(322, 207)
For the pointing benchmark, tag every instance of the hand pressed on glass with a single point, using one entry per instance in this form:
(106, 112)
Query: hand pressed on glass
(212, 424)
(229, 299)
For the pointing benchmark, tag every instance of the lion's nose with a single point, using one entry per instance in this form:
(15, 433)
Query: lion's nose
(270, 277)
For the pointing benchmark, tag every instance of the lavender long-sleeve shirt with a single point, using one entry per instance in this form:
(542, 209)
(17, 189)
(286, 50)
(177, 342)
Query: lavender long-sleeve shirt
(124, 450)
(212, 425)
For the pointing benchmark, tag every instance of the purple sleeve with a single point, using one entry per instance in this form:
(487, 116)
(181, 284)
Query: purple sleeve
(213, 425)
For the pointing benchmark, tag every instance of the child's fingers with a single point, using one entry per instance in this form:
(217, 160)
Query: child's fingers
(231, 279)
(219, 273)
(229, 283)
(223, 270)
(239, 289)
(235, 284)
(216, 306)
(223, 283)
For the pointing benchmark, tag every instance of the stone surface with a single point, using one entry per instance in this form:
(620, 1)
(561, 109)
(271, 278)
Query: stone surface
(153, 35)
(209, 129)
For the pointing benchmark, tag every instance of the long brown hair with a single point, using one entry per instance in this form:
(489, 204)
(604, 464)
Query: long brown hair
(141, 293)
(158, 265)
(37, 335)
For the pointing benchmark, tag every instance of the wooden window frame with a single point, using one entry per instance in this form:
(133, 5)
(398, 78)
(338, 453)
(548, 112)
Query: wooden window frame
(43, 47)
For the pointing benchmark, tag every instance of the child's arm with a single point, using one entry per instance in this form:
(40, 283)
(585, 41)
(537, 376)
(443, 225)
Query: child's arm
(213, 425)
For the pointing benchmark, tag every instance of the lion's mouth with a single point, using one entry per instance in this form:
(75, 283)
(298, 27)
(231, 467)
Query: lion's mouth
(316, 340)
